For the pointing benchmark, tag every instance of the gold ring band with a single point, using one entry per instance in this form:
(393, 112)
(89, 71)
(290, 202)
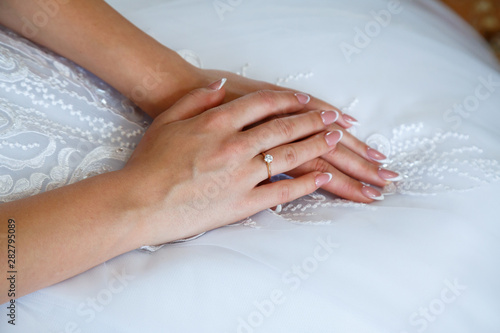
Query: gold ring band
(268, 159)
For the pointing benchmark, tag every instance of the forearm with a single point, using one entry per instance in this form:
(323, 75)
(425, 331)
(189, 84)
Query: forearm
(98, 38)
(61, 233)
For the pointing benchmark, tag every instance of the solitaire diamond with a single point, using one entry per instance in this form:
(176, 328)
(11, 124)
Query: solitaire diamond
(268, 158)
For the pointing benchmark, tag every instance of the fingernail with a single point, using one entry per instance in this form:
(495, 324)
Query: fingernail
(333, 137)
(377, 156)
(329, 117)
(323, 179)
(350, 120)
(278, 209)
(389, 175)
(372, 193)
(217, 85)
(303, 98)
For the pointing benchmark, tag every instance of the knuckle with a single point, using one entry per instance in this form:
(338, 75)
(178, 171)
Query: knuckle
(229, 149)
(233, 148)
(317, 120)
(284, 193)
(321, 165)
(267, 97)
(215, 118)
(197, 93)
(284, 127)
(346, 187)
(333, 152)
(264, 136)
(291, 156)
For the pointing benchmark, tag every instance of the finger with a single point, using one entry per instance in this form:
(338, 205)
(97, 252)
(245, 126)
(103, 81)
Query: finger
(359, 168)
(361, 148)
(354, 166)
(290, 156)
(344, 120)
(283, 191)
(262, 104)
(342, 186)
(287, 129)
(195, 102)
(278, 208)
(237, 90)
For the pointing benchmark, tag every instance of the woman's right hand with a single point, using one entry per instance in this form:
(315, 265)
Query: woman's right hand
(202, 170)
(197, 168)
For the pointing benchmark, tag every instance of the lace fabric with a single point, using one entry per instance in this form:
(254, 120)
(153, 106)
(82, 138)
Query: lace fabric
(432, 164)
(60, 124)
(436, 163)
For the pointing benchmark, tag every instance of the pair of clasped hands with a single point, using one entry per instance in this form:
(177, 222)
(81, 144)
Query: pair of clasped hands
(201, 161)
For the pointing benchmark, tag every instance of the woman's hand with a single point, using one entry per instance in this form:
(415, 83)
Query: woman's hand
(202, 170)
(198, 167)
(352, 164)
(238, 86)
(156, 77)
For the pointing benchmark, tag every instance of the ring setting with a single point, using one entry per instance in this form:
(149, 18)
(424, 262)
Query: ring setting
(268, 158)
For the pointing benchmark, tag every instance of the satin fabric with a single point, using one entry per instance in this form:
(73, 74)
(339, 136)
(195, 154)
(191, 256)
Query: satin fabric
(423, 260)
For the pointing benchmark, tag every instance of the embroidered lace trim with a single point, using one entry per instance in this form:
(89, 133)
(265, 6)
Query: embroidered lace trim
(60, 124)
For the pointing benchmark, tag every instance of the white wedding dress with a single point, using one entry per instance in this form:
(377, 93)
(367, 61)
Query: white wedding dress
(427, 92)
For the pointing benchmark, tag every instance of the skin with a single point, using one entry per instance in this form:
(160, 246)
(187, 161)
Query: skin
(69, 230)
(214, 136)
(99, 39)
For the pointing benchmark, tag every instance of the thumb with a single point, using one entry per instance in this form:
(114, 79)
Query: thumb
(195, 102)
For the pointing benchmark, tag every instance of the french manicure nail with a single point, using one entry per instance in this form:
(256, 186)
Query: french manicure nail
(217, 85)
(329, 117)
(323, 179)
(333, 137)
(377, 156)
(303, 98)
(372, 193)
(350, 120)
(389, 175)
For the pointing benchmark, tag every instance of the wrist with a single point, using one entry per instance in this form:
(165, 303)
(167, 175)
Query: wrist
(123, 210)
(161, 84)
(143, 209)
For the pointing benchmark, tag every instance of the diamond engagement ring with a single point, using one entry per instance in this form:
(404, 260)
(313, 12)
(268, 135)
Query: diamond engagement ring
(268, 159)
